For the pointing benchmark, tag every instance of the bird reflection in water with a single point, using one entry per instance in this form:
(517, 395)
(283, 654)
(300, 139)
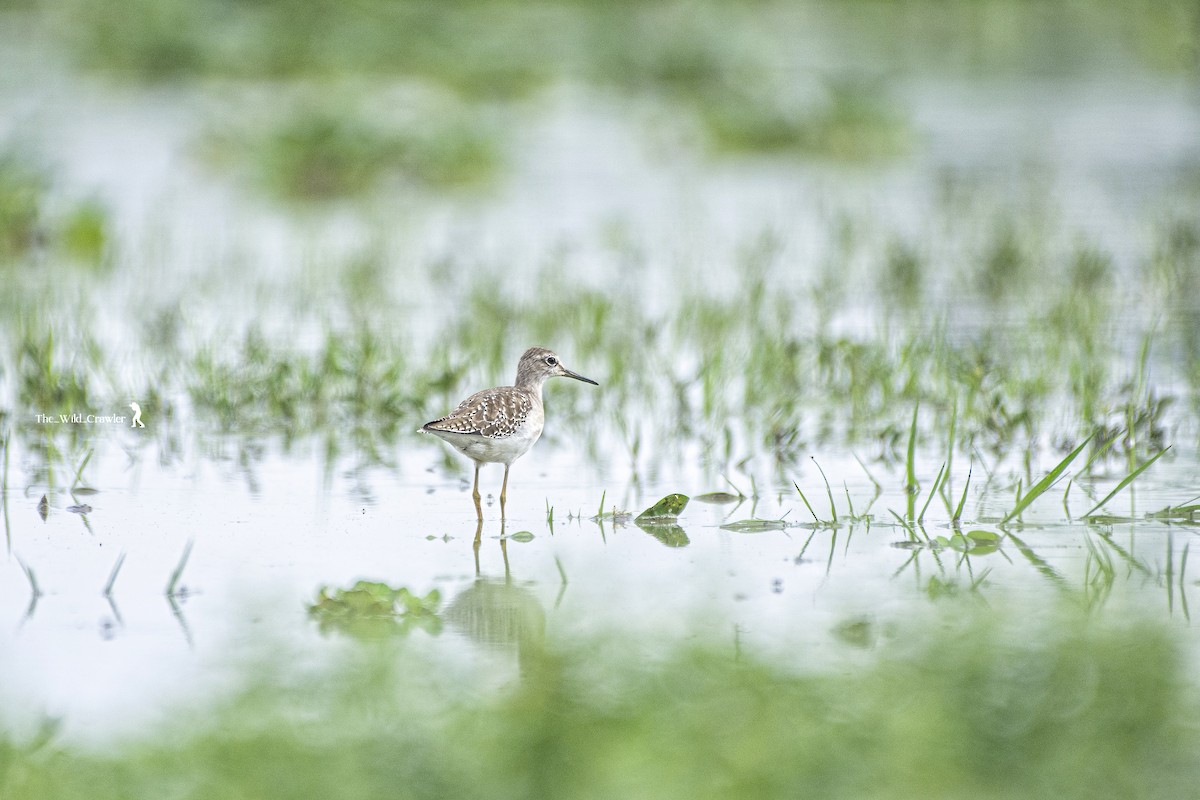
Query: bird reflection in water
(498, 613)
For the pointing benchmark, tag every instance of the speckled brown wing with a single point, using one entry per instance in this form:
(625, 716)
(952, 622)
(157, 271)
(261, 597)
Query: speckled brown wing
(494, 413)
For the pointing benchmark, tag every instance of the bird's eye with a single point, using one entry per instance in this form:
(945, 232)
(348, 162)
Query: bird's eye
(552, 361)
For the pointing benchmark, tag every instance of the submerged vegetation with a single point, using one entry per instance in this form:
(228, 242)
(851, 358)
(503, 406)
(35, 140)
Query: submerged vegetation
(1064, 707)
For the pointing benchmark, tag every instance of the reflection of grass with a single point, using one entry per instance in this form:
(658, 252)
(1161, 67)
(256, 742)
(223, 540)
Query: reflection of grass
(372, 610)
(1075, 709)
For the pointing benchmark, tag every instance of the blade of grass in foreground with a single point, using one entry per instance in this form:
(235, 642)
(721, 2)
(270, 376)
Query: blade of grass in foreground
(937, 483)
(963, 500)
(1046, 482)
(807, 504)
(1127, 480)
(910, 470)
(828, 491)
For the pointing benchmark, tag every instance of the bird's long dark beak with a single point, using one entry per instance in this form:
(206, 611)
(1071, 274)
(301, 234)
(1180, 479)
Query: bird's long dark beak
(568, 374)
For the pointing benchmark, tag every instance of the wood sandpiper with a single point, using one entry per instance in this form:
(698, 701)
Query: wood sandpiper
(498, 426)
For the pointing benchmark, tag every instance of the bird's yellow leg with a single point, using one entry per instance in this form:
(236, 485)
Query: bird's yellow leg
(503, 491)
(475, 493)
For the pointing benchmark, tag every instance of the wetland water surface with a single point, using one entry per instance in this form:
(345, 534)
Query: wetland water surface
(864, 337)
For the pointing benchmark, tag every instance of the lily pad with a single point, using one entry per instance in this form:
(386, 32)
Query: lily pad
(666, 509)
(522, 536)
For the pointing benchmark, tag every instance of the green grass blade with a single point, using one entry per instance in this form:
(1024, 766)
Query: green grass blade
(1094, 457)
(963, 500)
(910, 469)
(950, 450)
(912, 534)
(82, 467)
(1128, 480)
(828, 491)
(807, 504)
(1046, 482)
(937, 483)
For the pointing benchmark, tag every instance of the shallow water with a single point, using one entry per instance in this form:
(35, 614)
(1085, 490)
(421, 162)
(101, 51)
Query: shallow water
(601, 189)
(265, 539)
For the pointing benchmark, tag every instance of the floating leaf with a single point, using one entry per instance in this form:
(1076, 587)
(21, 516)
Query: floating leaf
(668, 508)
(720, 498)
(522, 536)
(43, 507)
(80, 509)
(755, 525)
(85, 491)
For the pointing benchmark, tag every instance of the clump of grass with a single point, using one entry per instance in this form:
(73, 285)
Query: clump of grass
(1045, 483)
(78, 229)
(171, 40)
(357, 377)
(1004, 265)
(85, 231)
(853, 122)
(319, 153)
(22, 187)
(52, 377)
